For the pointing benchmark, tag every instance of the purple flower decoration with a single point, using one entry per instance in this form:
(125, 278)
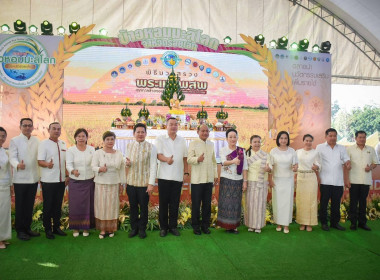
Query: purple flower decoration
(168, 116)
(187, 118)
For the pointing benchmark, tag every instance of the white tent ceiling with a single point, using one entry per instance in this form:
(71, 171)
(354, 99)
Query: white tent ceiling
(219, 18)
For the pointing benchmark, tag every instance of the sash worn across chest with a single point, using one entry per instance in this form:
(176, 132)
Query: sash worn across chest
(262, 156)
(239, 152)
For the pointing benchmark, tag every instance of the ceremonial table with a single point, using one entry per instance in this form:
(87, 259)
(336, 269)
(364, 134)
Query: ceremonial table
(123, 136)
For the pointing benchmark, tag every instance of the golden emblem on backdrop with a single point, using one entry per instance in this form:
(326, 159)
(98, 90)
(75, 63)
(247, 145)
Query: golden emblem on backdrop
(285, 110)
(45, 102)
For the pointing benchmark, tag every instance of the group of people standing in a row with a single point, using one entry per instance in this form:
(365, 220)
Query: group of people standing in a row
(95, 180)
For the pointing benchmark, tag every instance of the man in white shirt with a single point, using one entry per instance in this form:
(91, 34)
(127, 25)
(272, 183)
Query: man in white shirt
(172, 156)
(363, 161)
(23, 151)
(201, 157)
(141, 163)
(51, 159)
(333, 156)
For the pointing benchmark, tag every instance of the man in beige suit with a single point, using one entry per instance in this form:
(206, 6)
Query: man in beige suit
(201, 156)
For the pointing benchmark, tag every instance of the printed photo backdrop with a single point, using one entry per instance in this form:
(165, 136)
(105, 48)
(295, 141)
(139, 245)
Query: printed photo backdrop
(102, 75)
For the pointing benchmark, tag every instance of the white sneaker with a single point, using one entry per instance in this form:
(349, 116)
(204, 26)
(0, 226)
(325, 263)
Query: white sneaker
(85, 234)
(75, 234)
(251, 229)
(258, 230)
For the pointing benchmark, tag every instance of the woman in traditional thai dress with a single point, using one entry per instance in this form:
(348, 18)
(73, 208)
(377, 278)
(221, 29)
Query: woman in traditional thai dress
(283, 162)
(307, 185)
(257, 190)
(5, 193)
(109, 167)
(81, 185)
(233, 181)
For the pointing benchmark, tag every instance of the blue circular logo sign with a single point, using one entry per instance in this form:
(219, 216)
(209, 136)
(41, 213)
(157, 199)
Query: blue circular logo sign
(170, 59)
(208, 70)
(24, 61)
(187, 61)
(122, 69)
(114, 74)
(153, 59)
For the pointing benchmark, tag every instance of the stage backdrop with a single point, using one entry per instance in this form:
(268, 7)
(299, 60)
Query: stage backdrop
(84, 80)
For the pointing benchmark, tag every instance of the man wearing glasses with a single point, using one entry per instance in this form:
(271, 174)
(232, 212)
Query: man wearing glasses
(23, 151)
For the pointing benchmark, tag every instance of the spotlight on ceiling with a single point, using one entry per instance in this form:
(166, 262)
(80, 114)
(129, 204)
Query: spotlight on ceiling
(103, 32)
(61, 31)
(33, 30)
(325, 47)
(303, 45)
(260, 39)
(227, 40)
(74, 27)
(273, 44)
(5, 28)
(46, 28)
(294, 46)
(19, 27)
(315, 48)
(282, 43)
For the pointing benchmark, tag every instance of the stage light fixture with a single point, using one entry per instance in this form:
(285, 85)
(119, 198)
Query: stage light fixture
(5, 28)
(19, 27)
(61, 30)
(46, 28)
(103, 32)
(273, 44)
(294, 46)
(325, 47)
(260, 39)
(315, 48)
(74, 27)
(303, 45)
(227, 40)
(33, 30)
(282, 43)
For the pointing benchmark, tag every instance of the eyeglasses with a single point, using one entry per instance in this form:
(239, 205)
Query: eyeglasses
(27, 125)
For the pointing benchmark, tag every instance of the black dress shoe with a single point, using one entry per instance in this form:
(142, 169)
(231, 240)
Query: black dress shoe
(23, 236)
(142, 234)
(206, 231)
(58, 231)
(133, 233)
(353, 227)
(325, 227)
(197, 231)
(365, 227)
(234, 231)
(174, 231)
(163, 232)
(338, 227)
(32, 233)
(49, 235)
